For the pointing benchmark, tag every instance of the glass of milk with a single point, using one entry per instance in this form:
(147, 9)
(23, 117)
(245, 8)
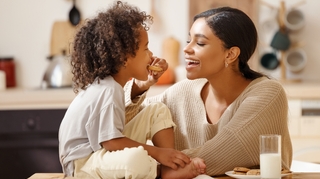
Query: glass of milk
(270, 156)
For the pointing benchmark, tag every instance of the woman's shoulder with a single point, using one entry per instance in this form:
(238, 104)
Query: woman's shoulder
(265, 85)
(265, 82)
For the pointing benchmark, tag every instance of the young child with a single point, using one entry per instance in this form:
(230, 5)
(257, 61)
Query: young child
(95, 140)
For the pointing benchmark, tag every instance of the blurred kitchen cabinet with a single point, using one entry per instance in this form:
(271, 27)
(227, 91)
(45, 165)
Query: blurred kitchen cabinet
(29, 142)
(250, 7)
(304, 124)
(29, 125)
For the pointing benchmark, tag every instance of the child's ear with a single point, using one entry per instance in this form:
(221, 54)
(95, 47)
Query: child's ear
(233, 54)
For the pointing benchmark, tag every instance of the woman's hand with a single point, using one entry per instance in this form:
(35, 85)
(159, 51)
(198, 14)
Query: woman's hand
(171, 158)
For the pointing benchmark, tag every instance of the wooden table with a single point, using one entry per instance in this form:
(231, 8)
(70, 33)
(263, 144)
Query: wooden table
(306, 175)
(300, 175)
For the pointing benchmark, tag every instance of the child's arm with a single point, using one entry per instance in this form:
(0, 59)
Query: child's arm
(166, 156)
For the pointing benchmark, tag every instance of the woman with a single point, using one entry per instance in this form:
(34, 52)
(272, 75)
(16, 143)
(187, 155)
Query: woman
(223, 106)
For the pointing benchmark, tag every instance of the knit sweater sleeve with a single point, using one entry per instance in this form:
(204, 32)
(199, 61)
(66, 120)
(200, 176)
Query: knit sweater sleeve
(135, 105)
(260, 109)
(132, 106)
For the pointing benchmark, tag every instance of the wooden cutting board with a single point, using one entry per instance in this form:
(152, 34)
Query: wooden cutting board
(62, 36)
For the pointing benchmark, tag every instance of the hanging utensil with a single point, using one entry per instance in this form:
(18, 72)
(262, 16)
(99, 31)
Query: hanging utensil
(74, 15)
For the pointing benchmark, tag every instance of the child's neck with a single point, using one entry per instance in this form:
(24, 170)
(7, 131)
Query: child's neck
(121, 78)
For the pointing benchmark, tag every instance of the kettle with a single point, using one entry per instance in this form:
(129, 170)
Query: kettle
(58, 73)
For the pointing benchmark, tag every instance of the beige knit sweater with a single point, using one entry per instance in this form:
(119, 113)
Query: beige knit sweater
(261, 108)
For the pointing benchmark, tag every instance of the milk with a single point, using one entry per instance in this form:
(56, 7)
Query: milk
(270, 165)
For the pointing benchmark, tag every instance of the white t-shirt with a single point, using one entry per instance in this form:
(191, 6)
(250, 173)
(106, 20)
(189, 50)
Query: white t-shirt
(94, 116)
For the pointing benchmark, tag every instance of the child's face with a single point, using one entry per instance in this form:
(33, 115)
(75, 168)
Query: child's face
(137, 66)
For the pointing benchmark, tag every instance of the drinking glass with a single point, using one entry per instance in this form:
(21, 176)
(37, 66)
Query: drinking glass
(270, 156)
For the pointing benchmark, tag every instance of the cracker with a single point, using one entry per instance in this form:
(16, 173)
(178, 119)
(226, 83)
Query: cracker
(239, 173)
(241, 169)
(155, 68)
(253, 172)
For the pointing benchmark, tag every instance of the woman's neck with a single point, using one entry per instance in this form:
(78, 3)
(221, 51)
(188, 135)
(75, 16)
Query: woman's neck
(226, 90)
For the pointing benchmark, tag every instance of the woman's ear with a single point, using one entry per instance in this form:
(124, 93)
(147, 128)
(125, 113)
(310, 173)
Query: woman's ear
(233, 54)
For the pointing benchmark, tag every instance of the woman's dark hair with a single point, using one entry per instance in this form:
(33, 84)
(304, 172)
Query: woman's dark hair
(234, 28)
(103, 44)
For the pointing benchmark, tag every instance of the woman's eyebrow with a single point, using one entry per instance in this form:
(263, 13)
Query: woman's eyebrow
(201, 35)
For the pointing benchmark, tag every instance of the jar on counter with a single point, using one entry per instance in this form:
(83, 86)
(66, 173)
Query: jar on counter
(7, 65)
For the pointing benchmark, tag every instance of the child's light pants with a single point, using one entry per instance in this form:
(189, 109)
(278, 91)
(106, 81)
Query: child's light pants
(133, 163)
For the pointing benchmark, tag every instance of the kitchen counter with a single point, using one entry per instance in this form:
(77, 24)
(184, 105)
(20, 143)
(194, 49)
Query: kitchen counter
(17, 98)
(302, 90)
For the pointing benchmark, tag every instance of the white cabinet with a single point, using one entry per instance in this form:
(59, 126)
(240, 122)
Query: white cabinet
(304, 117)
(310, 126)
(304, 126)
(294, 115)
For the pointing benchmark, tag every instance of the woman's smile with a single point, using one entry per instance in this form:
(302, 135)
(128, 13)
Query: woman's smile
(192, 64)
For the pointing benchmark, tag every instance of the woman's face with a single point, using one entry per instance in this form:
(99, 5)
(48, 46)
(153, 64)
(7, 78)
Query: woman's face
(204, 53)
(137, 66)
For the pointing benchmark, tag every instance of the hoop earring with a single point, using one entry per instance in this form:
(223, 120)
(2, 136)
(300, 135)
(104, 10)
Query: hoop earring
(226, 64)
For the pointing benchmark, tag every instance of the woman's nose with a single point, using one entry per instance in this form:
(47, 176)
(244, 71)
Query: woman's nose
(187, 49)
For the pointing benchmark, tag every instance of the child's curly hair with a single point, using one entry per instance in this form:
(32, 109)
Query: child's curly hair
(102, 44)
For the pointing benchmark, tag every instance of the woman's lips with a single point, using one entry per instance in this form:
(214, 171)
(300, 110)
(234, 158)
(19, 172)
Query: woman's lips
(192, 63)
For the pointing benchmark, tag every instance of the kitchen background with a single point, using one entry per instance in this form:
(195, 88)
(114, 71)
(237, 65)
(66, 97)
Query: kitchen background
(25, 31)
(30, 119)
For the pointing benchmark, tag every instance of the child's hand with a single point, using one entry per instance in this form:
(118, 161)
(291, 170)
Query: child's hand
(172, 158)
(153, 75)
(159, 62)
